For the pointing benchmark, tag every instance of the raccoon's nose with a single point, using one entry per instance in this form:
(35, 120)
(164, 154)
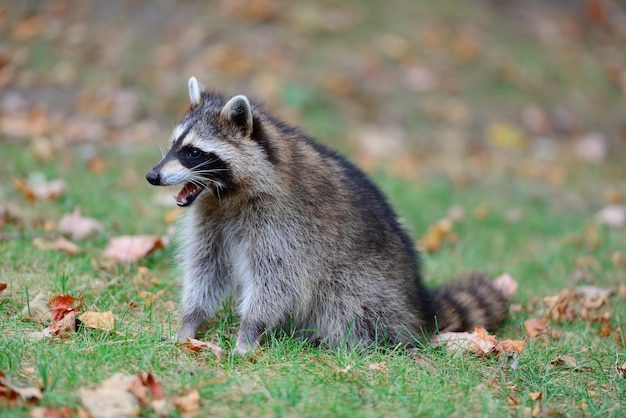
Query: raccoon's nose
(153, 178)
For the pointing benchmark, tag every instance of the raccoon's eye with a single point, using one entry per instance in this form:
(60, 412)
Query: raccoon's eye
(194, 152)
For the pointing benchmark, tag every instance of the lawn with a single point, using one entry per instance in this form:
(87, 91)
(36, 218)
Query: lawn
(506, 120)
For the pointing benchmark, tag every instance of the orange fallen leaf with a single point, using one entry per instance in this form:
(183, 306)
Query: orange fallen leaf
(516, 346)
(11, 395)
(130, 248)
(59, 244)
(98, 320)
(77, 226)
(40, 189)
(57, 412)
(3, 286)
(146, 388)
(63, 304)
(535, 326)
(188, 404)
(194, 345)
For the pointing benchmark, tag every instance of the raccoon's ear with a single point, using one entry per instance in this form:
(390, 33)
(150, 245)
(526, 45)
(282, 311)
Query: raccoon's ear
(238, 111)
(194, 92)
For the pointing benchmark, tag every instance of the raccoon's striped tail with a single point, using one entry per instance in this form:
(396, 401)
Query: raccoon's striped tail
(467, 303)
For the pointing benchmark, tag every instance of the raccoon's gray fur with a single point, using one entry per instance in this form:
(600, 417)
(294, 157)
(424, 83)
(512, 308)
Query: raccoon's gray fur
(300, 236)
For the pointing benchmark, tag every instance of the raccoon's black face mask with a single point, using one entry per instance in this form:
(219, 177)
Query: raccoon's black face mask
(186, 163)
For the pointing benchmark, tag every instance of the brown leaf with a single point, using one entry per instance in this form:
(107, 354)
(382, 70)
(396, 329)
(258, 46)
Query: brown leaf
(40, 188)
(196, 345)
(516, 346)
(380, 367)
(111, 398)
(99, 320)
(436, 235)
(77, 226)
(535, 326)
(64, 309)
(146, 388)
(621, 370)
(3, 286)
(614, 216)
(131, 248)
(569, 362)
(59, 244)
(11, 395)
(506, 284)
(58, 412)
(188, 404)
(38, 308)
(535, 396)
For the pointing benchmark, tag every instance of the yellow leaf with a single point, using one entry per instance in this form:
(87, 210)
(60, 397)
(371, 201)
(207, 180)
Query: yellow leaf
(98, 320)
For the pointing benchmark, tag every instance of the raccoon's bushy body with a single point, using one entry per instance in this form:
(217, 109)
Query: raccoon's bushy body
(299, 235)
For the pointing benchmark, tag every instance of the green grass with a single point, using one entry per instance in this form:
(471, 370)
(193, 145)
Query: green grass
(288, 378)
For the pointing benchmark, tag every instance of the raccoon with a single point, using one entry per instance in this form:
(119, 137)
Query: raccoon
(299, 236)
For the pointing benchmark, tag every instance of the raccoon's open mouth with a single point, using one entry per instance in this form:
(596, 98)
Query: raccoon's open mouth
(189, 193)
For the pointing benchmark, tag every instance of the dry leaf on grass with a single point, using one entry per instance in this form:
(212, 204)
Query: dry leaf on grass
(506, 284)
(3, 286)
(130, 248)
(535, 326)
(98, 320)
(614, 216)
(478, 342)
(621, 370)
(438, 234)
(380, 367)
(60, 412)
(59, 244)
(37, 309)
(64, 309)
(111, 398)
(40, 188)
(196, 345)
(569, 362)
(580, 303)
(11, 395)
(77, 226)
(188, 404)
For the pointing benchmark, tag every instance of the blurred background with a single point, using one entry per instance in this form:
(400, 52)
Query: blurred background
(420, 88)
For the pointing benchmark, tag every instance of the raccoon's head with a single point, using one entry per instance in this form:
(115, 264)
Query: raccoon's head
(218, 147)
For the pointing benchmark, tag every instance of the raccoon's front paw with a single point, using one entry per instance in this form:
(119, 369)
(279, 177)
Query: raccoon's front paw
(244, 347)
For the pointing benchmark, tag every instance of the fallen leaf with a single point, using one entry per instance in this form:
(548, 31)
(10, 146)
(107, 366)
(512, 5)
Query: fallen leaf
(516, 346)
(614, 216)
(535, 396)
(11, 395)
(621, 370)
(53, 412)
(506, 284)
(619, 259)
(3, 286)
(130, 248)
(569, 362)
(39, 188)
(77, 226)
(146, 388)
(478, 342)
(99, 320)
(188, 404)
(592, 148)
(196, 345)
(535, 326)
(111, 398)
(505, 135)
(59, 244)
(436, 235)
(62, 305)
(381, 367)
(38, 308)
